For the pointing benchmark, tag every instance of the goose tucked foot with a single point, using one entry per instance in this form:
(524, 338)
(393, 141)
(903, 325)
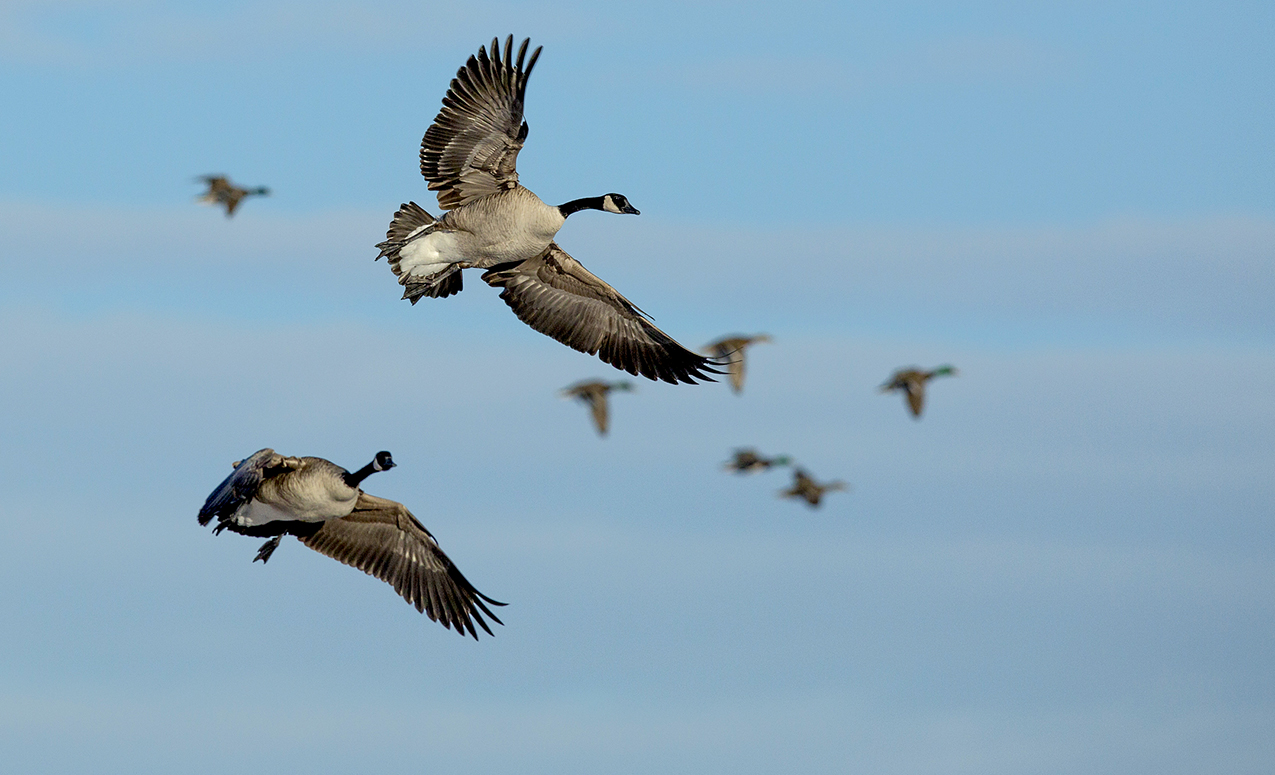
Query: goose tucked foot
(422, 254)
(267, 549)
(441, 284)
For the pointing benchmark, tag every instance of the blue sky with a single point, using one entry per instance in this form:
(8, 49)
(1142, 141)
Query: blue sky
(1066, 567)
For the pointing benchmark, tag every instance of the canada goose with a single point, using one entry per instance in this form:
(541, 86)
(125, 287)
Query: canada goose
(747, 461)
(492, 222)
(912, 382)
(321, 504)
(222, 191)
(731, 349)
(594, 393)
(803, 486)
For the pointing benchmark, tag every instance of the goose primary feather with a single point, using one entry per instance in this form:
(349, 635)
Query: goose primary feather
(491, 221)
(321, 503)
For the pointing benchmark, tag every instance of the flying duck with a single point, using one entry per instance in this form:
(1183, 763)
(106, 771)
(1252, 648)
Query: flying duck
(731, 350)
(803, 486)
(222, 192)
(747, 461)
(321, 504)
(594, 393)
(912, 382)
(492, 222)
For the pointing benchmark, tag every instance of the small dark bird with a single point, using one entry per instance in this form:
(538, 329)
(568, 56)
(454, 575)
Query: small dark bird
(222, 192)
(321, 504)
(912, 382)
(803, 486)
(731, 350)
(594, 393)
(747, 461)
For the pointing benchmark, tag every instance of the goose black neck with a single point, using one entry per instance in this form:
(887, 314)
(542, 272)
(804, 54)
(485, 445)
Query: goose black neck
(356, 478)
(576, 205)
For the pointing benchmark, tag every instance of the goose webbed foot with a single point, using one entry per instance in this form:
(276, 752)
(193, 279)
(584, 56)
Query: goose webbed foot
(267, 549)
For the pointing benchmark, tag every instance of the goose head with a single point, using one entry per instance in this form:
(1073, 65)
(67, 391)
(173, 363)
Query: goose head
(383, 461)
(611, 203)
(617, 203)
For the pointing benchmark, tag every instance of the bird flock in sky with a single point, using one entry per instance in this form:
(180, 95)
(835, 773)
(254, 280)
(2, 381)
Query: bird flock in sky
(489, 222)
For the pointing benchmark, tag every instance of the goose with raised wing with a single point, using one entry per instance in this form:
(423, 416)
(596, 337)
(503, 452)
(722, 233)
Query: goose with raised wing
(596, 394)
(730, 350)
(222, 192)
(321, 503)
(911, 382)
(491, 222)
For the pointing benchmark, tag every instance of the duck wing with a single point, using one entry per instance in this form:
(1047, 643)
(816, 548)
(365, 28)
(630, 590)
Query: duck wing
(599, 407)
(471, 149)
(554, 294)
(242, 484)
(382, 538)
(916, 397)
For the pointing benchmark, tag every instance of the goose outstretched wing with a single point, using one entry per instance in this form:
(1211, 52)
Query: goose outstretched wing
(382, 538)
(242, 484)
(554, 294)
(471, 149)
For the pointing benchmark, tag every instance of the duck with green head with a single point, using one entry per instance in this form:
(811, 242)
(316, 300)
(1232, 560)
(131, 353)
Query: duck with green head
(911, 382)
(222, 192)
(594, 393)
(748, 461)
(805, 487)
(730, 349)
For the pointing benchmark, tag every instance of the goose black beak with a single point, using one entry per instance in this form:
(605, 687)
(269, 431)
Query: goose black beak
(631, 210)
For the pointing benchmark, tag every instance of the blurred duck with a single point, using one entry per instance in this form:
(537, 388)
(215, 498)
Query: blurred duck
(222, 192)
(731, 350)
(491, 221)
(321, 504)
(594, 393)
(747, 461)
(803, 486)
(912, 382)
